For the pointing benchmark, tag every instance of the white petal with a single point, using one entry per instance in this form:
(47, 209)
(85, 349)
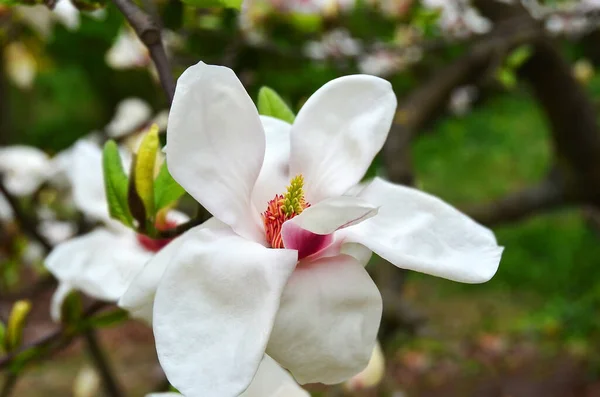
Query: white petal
(139, 297)
(24, 168)
(334, 213)
(312, 230)
(273, 381)
(58, 298)
(417, 231)
(274, 174)
(327, 322)
(339, 131)
(131, 115)
(67, 14)
(101, 264)
(87, 180)
(216, 145)
(214, 310)
(6, 212)
(127, 52)
(370, 376)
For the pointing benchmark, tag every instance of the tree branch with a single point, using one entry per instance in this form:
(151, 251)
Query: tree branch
(9, 385)
(149, 33)
(102, 365)
(28, 224)
(544, 196)
(49, 344)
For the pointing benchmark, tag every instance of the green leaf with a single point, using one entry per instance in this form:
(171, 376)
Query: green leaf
(71, 309)
(107, 319)
(144, 169)
(507, 78)
(16, 324)
(236, 4)
(115, 184)
(166, 189)
(518, 57)
(271, 104)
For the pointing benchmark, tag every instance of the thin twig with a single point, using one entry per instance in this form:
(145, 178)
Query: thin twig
(9, 385)
(102, 364)
(28, 223)
(50, 343)
(148, 31)
(180, 229)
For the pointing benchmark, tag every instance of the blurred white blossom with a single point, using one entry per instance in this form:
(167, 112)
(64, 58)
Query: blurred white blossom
(86, 383)
(458, 18)
(21, 66)
(335, 43)
(127, 52)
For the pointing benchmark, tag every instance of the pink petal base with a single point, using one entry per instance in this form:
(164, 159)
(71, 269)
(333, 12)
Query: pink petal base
(305, 242)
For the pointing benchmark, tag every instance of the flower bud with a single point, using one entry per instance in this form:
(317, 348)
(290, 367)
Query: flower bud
(371, 375)
(16, 324)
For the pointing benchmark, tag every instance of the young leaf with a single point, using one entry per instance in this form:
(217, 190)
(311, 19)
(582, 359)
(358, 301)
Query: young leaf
(16, 323)
(166, 189)
(115, 184)
(235, 4)
(144, 169)
(271, 104)
(108, 319)
(518, 56)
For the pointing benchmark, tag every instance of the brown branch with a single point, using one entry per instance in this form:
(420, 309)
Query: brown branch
(427, 101)
(544, 196)
(9, 385)
(148, 31)
(102, 364)
(51, 343)
(28, 224)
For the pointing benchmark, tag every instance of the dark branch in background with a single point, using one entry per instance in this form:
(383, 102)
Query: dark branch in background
(9, 385)
(51, 343)
(102, 365)
(149, 33)
(574, 178)
(544, 196)
(28, 223)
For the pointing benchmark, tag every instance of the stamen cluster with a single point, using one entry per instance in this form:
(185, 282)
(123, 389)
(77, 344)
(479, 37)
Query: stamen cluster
(282, 208)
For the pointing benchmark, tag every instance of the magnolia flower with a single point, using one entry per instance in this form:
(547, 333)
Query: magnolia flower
(270, 381)
(281, 270)
(127, 52)
(335, 43)
(372, 375)
(103, 262)
(21, 66)
(24, 169)
(131, 115)
(41, 19)
(458, 18)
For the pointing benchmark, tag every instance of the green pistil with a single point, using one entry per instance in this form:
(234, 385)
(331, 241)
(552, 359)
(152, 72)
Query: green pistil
(293, 200)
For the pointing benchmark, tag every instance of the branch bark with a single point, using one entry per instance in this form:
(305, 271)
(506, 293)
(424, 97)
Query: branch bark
(102, 364)
(28, 223)
(149, 33)
(544, 196)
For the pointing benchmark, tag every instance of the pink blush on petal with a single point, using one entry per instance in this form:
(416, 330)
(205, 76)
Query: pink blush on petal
(305, 242)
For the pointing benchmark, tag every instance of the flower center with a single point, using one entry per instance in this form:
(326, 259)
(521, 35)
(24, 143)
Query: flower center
(156, 244)
(284, 207)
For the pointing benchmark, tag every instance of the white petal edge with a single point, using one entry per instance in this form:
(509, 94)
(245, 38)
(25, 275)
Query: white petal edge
(338, 132)
(327, 322)
(24, 168)
(84, 263)
(417, 231)
(58, 298)
(138, 300)
(216, 145)
(274, 175)
(273, 381)
(333, 214)
(214, 309)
